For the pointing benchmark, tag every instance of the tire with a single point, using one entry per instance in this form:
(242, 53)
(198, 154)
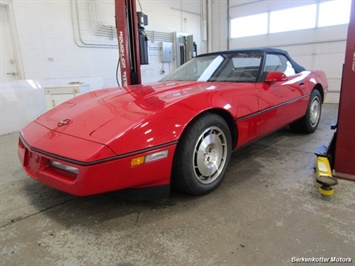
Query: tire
(202, 155)
(309, 123)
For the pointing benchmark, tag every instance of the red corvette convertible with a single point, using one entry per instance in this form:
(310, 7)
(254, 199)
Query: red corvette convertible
(179, 132)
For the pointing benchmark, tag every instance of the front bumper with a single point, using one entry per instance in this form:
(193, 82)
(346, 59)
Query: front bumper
(95, 177)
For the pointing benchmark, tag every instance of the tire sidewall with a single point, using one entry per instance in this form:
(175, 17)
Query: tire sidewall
(314, 95)
(186, 152)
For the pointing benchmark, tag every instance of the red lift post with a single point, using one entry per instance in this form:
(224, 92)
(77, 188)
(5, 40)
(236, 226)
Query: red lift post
(128, 41)
(344, 156)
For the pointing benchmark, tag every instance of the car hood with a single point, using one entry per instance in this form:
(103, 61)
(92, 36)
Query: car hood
(85, 115)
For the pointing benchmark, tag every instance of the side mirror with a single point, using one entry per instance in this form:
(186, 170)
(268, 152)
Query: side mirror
(275, 76)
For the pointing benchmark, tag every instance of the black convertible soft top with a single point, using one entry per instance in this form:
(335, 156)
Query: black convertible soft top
(298, 68)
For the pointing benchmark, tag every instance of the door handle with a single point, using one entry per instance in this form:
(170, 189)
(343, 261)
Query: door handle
(11, 74)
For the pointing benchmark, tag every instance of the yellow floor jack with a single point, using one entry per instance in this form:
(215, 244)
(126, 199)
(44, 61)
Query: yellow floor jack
(325, 180)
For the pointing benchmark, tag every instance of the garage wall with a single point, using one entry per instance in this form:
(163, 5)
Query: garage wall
(66, 38)
(321, 48)
(62, 41)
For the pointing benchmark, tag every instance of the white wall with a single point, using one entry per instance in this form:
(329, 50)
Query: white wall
(49, 42)
(321, 48)
(61, 41)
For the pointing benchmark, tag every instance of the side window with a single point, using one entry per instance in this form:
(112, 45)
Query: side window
(289, 71)
(276, 62)
(239, 67)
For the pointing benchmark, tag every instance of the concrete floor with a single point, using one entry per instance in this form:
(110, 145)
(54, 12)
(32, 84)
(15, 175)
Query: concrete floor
(266, 212)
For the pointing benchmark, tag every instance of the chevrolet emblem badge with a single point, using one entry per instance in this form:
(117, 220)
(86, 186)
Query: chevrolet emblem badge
(63, 122)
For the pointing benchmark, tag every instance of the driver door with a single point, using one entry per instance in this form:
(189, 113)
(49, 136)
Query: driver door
(280, 102)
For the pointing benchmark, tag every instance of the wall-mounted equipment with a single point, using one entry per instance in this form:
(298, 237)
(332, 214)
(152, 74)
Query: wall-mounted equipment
(167, 52)
(55, 95)
(142, 19)
(143, 39)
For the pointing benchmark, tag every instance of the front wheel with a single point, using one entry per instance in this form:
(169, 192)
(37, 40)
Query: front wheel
(202, 155)
(309, 123)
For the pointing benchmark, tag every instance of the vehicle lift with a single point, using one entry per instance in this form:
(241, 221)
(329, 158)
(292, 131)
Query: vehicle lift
(339, 157)
(132, 41)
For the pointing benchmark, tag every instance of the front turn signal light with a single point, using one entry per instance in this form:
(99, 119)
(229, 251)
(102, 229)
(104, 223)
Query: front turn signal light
(137, 161)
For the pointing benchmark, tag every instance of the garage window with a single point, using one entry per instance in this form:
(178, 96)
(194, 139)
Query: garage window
(298, 18)
(322, 14)
(246, 26)
(334, 13)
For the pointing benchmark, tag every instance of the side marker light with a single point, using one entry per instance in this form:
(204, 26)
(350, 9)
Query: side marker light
(149, 158)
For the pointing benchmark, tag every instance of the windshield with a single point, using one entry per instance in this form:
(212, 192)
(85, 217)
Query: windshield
(238, 67)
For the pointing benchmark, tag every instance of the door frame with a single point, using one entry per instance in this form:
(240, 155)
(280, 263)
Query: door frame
(8, 6)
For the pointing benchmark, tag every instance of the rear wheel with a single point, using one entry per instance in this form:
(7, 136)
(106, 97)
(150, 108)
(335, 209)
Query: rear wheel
(202, 155)
(309, 123)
